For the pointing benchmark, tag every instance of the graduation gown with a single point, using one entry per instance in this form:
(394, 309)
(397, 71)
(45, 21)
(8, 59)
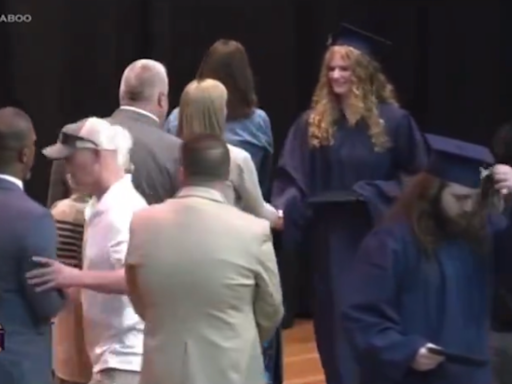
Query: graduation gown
(339, 222)
(399, 301)
(305, 178)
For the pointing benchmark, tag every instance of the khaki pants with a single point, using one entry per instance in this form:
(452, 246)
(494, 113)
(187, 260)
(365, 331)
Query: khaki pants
(115, 376)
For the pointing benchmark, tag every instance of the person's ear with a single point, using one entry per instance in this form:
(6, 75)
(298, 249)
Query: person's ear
(24, 155)
(162, 100)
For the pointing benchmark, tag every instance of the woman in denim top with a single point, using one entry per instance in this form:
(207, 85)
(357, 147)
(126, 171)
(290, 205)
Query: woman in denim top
(247, 127)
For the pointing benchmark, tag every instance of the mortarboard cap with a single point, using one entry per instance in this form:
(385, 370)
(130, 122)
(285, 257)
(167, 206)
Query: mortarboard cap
(458, 161)
(356, 38)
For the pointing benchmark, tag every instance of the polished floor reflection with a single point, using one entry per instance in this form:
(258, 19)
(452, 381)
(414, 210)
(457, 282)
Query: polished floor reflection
(301, 363)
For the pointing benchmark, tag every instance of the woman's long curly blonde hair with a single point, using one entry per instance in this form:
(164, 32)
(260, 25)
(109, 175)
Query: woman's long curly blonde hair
(369, 88)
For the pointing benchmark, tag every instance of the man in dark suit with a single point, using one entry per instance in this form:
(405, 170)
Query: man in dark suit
(26, 229)
(143, 98)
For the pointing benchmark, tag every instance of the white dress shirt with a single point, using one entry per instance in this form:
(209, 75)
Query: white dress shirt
(113, 331)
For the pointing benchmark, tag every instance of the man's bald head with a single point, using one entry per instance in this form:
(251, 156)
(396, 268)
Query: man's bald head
(17, 139)
(142, 81)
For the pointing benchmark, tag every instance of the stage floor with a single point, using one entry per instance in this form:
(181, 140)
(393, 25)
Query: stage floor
(301, 363)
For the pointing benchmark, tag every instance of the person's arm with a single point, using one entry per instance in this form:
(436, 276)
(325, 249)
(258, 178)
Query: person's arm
(110, 282)
(265, 173)
(134, 257)
(369, 312)
(41, 240)
(59, 188)
(113, 282)
(290, 185)
(409, 146)
(248, 188)
(268, 302)
(266, 164)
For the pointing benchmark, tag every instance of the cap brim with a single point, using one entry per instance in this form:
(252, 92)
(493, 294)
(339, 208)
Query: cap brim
(57, 151)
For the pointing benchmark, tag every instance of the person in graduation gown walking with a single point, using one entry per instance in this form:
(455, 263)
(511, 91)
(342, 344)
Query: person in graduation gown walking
(420, 290)
(354, 131)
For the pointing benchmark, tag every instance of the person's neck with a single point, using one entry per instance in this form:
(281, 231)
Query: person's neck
(215, 185)
(80, 197)
(105, 183)
(141, 106)
(343, 102)
(12, 173)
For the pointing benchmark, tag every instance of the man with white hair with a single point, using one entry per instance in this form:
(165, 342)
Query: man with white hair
(143, 99)
(96, 154)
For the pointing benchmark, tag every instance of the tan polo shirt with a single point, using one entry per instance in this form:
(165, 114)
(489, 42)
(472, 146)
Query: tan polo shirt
(70, 358)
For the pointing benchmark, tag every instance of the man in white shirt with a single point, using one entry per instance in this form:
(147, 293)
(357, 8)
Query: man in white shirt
(96, 155)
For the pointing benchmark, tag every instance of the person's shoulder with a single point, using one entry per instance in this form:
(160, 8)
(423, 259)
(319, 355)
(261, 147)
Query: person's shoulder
(304, 116)
(393, 110)
(175, 113)
(148, 213)
(246, 222)
(33, 208)
(123, 205)
(132, 200)
(238, 155)
(167, 139)
(394, 114)
(390, 233)
(35, 216)
(65, 208)
(301, 122)
(261, 117)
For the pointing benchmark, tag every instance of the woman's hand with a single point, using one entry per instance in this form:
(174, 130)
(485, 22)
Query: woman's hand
(279, 223)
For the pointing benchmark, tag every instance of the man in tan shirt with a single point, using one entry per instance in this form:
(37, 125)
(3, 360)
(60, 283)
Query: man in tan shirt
(210, 291)
(70, 360)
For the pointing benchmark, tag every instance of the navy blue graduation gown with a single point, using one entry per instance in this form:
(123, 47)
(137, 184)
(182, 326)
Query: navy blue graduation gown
(305, 174)
(399, 301)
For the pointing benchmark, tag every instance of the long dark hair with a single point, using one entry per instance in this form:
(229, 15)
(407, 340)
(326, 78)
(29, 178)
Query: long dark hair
(420, 205)
(227, 61)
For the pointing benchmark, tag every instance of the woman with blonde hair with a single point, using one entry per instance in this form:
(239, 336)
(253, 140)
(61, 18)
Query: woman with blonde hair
(203, 110)
(354, 134)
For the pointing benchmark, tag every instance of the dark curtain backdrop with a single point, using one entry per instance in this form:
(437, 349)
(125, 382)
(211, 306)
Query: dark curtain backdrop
(451, 64)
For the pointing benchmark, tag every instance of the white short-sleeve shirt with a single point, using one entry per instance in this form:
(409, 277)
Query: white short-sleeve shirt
(113, 331)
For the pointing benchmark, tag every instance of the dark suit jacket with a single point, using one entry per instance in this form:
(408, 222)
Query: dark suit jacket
(26, 229)
(155, 157)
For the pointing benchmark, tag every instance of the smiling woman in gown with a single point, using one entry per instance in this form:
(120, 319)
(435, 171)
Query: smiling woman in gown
(355, 131)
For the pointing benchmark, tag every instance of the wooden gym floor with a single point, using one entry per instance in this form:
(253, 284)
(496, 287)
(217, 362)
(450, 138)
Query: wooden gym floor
(301, 363)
